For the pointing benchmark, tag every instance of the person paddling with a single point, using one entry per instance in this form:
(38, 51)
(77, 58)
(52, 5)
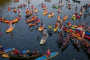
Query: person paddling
(49, 26)
(2, 49)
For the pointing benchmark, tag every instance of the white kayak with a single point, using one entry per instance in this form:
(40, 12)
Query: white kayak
(43, 40)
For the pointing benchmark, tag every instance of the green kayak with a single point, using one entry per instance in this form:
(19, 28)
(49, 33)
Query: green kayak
(55, 7)
(73, 27)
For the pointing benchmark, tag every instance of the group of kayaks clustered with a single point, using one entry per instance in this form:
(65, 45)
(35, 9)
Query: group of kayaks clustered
(76, 35)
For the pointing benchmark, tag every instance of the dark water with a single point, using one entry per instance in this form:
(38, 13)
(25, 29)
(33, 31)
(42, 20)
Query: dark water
(22, 38)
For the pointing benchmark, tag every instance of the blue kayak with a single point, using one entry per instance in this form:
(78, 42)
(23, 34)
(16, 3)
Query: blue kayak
(7, 50)
(46, 58)
(34, 27)
(87, 13)
(87, 33)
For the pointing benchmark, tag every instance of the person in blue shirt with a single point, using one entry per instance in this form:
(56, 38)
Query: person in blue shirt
(20, 53)
(2, 49)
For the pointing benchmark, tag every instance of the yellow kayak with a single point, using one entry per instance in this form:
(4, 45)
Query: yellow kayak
(7, 50)
(51, 15)
(55, 29)
(16, 20)
(41, 28)
(7, 55)
(59, 20)
(44, 13)
(10, 29)
(35, 11)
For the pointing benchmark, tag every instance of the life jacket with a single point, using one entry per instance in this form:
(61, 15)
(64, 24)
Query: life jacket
(48, 52)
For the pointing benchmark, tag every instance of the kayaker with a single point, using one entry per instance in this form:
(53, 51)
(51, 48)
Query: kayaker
(2, 18)
(54, 5)
(44, 31)
(58, 9)
(74, 16)
(36, 52)
(41, 24)
(20, 53)
(51, 13)
(19, 10)
(56, 25)
(9, 6)
(61, 23)
(69, 24)
(76, 8)
(49, 26)
(48, 53)
(2, 49)
(37, 19)
(35, 8)
(32, 7)
(58, 17)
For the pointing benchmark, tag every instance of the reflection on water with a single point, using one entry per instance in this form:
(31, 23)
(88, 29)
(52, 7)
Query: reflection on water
(3, 2)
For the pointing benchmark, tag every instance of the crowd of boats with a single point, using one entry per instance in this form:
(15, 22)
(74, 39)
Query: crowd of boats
(77, 34)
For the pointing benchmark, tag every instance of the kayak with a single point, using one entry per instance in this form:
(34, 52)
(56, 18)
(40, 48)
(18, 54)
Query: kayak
(81, 13)
(87, 37)
(87, 33)
(34, 27)
(69, 7)
(86, 13)
(44, 8)
(45, 13)
(77, 1)
(64, 18)
(75, 45)
(15, 10)
(7, 50)
(85, 49)
(73, 18)
(69, 3)
(16, 0)
(43, 40)
(35, 11)
(50, 32)
(62, 4)
(55, 7)
(28, 15)
(41, 28)
(59, 20)
(9, 9)
(30, 20)
(73, 27)
(55, 29)
(47, 58)
(10, 29)
(66, 30)
(6, 56)
(64, 46)
(51, 15)
(25, 57)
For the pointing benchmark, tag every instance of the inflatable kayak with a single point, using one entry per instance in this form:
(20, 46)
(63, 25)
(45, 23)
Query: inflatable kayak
(55, 29)
(51, 15)
(43, 40)
(7, 50)
(10, 29)
(24, 51)
(55, 7)
(41, 28)
(47, 58)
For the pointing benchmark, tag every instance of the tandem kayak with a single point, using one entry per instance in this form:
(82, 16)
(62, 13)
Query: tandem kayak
(7, 50)
(10, 29)
(43, 40)
(47, 58)
(6, 56)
